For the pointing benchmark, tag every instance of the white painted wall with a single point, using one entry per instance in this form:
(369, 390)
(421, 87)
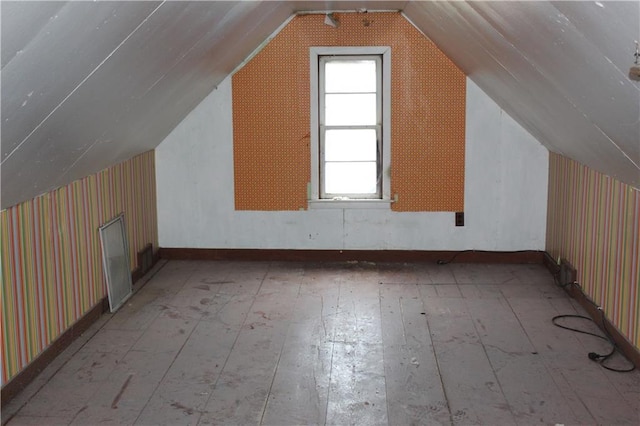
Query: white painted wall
(505, 193)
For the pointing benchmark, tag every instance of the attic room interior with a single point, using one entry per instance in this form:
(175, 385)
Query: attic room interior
(332, 212)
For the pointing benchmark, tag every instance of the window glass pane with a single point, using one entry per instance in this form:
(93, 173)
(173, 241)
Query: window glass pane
(350, 109)
(350, 145)
(350, 76)
(350, 178)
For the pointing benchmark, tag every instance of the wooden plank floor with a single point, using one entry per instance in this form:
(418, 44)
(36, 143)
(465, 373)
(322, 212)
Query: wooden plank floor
(337, 343)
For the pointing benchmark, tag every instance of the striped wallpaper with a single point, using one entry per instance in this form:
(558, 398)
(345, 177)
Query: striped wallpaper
(51, 259)
(594, 222)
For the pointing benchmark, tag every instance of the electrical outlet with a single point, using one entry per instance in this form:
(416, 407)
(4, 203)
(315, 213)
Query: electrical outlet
(568, 273)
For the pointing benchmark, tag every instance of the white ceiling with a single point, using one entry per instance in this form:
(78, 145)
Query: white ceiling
(559, 68)
(87, 85)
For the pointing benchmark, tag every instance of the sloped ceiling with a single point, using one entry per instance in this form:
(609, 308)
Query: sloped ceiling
(87, 85)
(561, 69)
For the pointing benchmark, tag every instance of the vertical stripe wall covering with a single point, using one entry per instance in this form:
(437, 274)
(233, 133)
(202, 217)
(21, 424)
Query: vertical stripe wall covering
(594, 222)
(51, 256)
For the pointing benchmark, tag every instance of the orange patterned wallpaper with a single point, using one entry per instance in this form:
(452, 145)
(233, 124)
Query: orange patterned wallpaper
(271, 115)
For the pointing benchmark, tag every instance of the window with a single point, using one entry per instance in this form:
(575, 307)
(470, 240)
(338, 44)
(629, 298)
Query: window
(350, 151)
(350, 123)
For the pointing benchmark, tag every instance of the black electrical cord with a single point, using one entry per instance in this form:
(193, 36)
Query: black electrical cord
(593, 356)
(556, 277)
(452, 258)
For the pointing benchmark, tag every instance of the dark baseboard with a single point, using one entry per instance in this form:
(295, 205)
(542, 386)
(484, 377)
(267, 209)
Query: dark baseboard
(550, 263)
(393, 256)
(626, 347)
(31, 371)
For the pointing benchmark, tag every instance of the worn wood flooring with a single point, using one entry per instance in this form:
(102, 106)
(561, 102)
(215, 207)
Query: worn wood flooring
(334, 343)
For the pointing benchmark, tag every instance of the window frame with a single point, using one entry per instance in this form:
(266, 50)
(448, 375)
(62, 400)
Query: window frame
(323, 127)
(315, 193)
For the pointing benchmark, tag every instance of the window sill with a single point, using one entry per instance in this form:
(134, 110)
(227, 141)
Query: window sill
(350, 204)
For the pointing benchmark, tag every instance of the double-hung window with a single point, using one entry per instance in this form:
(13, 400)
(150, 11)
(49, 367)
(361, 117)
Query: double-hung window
(350, 123)
(350, 126)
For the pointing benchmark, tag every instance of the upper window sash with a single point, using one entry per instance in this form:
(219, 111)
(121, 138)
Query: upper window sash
(357, 88)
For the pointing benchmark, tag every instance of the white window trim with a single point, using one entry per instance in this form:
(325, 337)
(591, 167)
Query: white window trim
(314, 191)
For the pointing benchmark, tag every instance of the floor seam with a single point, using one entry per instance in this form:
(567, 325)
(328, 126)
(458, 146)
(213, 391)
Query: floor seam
(484, 349)
(275, 371)
(167, 371)
(435, 357)
(215, 384)
(380, 298)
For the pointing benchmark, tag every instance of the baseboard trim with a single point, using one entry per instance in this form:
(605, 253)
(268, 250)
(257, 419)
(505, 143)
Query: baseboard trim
(392, 256)
(550, 263)
(626, 347)
(31, 371)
